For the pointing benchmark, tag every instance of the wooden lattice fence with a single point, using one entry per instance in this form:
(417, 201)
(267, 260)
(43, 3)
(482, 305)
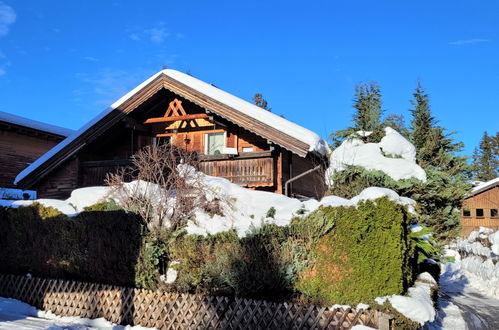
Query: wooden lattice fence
(175, 311)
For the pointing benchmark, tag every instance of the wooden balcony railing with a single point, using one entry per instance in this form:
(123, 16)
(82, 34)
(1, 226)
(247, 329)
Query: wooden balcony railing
(254, 169)
(249, 172)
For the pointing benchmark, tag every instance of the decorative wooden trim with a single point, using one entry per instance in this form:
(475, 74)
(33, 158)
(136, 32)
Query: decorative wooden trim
(176, 118)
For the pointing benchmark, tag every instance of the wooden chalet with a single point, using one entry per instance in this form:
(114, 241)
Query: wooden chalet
(233, 139)
(22, 141)
(480, 208)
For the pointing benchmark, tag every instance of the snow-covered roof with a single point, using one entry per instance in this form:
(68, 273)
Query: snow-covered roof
(484, 186)
(288, 128)
(44, 127)
(315, 142)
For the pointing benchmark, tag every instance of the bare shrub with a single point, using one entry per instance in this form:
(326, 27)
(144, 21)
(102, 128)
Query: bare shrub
(164, 189)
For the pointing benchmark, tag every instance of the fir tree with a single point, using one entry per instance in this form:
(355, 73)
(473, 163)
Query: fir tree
(486, 159)
(396, 122)
(259, 101)
(422, 121)
(367, 116)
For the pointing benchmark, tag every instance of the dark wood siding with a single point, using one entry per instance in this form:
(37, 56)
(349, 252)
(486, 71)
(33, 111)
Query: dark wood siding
(17, 151)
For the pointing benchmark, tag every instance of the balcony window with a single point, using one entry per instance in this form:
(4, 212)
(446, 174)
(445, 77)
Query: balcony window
(479, 213)
(466, 213)
(215, 143)
(494, 213)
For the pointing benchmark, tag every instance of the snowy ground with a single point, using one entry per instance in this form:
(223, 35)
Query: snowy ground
(469, 292)
(15, 314)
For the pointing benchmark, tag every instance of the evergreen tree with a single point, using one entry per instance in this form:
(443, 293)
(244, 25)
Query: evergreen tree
(422, 121)
(367, 116)
(259, 101)
(486, 159)
(396, 122)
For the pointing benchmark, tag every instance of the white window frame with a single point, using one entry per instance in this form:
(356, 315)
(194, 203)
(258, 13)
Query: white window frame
(206, 141)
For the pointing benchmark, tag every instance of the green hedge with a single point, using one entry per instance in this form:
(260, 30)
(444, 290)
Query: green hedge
(368, 253)
(98, 246)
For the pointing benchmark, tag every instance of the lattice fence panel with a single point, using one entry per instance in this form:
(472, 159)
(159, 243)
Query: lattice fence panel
(165, 310)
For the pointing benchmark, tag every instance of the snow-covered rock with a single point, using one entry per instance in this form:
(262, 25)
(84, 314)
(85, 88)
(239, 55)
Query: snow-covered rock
(379, 156)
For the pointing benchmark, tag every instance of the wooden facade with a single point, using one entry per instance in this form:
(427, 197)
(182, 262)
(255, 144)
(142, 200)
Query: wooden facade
(20, 145)
(228, 144)
(480, 209)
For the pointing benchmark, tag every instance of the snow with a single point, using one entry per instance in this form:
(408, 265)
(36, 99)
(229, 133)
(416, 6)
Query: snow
(244, 209)
(417, 305)
(362, 327)
(354, 152)
(15, 314)
(315, 142)
(13, 194)
(485, 184)
(21, 121)
(476, 265)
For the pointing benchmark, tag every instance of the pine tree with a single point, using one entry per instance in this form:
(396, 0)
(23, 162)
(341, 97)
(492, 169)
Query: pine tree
(396, 122)
(367, 116)
(486, 159)
(259, 101)
(422, 121)
(368, 105)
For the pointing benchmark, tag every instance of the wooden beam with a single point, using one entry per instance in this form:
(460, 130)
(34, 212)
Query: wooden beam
(175, 118)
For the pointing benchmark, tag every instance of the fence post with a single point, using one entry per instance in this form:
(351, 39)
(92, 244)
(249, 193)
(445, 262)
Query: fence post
(384, 321)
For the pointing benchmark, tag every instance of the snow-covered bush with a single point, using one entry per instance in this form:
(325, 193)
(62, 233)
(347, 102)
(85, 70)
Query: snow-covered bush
(166, 189)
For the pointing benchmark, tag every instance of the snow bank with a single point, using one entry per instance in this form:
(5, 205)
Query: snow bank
(16, 311)
(477, 263)
(379, 156)
(417, 304)
(482, 185)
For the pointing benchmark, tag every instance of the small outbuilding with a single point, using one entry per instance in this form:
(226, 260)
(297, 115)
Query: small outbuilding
(480, 208)
(22, 141)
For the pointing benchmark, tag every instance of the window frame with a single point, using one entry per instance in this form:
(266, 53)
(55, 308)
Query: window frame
(494, 216)
(206, 141)
(480, 216)
(469, 213)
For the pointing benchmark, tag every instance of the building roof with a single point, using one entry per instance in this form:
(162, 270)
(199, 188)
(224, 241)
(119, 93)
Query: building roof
(484, 186)
(274, 128)
(33, 124)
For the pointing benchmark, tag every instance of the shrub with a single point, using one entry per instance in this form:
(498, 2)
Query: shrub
(94, 246)
(367, 254)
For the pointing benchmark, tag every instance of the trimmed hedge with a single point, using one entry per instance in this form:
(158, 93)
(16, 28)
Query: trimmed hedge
(97, 246)
(368, 253)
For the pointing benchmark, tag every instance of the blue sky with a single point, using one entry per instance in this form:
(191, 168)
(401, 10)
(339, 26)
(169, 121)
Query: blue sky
(63, 62)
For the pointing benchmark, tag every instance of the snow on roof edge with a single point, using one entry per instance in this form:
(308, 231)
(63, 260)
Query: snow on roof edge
(315, 142)
(33, 166)
(35, 124)
(485, 185)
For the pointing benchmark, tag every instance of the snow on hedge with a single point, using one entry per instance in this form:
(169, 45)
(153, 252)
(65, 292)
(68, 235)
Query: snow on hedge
(15, 314)
(393, 155)
(417, 305)
(246, 208)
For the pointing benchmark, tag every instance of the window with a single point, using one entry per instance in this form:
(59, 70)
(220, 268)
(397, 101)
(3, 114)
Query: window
(466, 213)
(493, 213)
(247, 149)
(215, 143)
(162, 140)
(479, 213)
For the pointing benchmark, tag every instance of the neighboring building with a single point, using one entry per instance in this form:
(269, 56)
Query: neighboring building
(22, 141)
(480, 207)
(234, 139)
